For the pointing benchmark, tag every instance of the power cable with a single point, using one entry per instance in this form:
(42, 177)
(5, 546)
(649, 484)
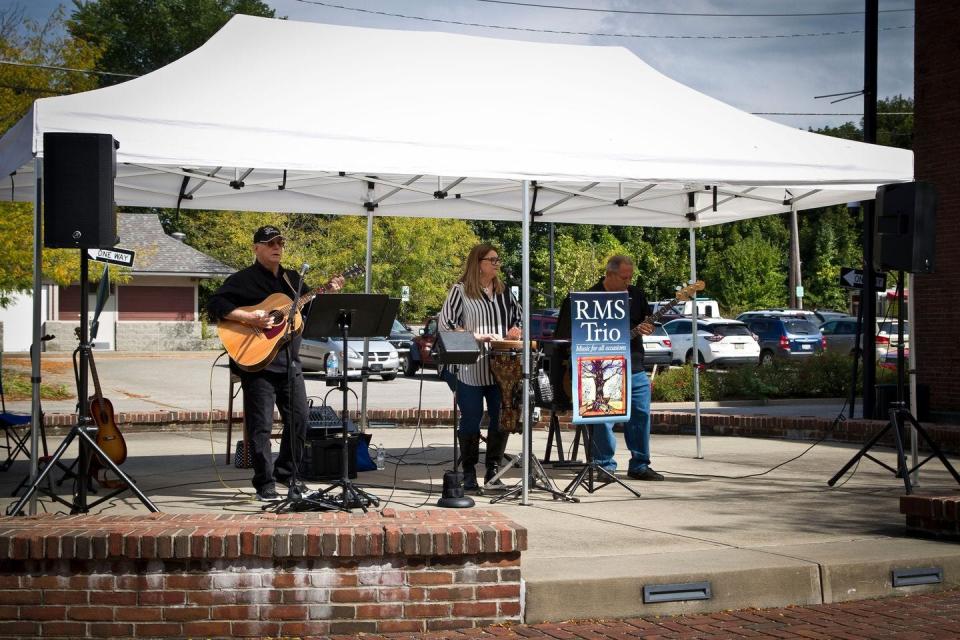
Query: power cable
(36, 65)
(462, 23)
(689, 14)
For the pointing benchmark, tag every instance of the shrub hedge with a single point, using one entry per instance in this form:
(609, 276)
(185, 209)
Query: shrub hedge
(824, 375)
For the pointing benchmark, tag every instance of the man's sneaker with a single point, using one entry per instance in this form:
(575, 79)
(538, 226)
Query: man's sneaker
(646, 474)
(268, 495)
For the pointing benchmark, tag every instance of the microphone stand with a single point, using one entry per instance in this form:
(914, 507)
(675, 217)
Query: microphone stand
(295, 500)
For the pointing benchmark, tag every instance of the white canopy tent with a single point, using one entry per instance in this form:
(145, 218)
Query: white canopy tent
(274, 115)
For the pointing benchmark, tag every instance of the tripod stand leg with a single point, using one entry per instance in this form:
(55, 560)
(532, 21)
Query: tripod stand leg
(896, 419)
(933, 447)
(120, 474)
(18, 506)
(863, 451)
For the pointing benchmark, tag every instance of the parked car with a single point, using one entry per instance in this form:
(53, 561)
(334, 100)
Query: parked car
(383, 359)
(657, 348)
(785, 336)
(840, 335)
(543, 325)
(401, 337)
(719, 341)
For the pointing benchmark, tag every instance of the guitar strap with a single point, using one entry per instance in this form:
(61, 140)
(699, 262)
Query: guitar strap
(286, 279)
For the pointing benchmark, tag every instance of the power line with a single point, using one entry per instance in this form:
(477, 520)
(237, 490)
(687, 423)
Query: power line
(54, 68)
(797, 113)
(594, 33)
(681, 13)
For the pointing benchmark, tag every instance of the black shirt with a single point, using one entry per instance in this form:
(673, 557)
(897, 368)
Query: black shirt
(251, 286)
(639, 311)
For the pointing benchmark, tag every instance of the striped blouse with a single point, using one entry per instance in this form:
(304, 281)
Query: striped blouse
(489, 314)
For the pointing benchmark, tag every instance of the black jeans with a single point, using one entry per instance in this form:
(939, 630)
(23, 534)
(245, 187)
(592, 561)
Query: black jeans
(261, 391)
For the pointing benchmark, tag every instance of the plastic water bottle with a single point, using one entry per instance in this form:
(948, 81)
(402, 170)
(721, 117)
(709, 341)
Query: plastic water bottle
(381, 457)
(333, 366)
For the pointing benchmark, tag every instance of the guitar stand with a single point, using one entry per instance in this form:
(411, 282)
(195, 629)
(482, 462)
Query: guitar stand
(88, 446)
(592, 476)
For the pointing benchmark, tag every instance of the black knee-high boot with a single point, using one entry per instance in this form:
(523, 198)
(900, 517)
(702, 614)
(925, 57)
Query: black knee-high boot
(496, 445)
(470, 456)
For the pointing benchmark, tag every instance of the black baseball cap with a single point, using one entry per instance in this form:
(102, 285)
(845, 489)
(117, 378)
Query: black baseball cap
(266, 233)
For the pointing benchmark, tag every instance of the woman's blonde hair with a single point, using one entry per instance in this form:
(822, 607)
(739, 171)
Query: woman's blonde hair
(471, 272)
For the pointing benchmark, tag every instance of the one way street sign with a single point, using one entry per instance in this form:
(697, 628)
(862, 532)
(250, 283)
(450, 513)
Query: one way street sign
(123, 257)
(853, 279)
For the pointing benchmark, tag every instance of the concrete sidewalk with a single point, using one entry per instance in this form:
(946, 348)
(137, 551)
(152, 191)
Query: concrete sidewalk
(759, 538)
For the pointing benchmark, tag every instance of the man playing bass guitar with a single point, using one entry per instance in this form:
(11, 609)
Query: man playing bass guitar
(268, 386)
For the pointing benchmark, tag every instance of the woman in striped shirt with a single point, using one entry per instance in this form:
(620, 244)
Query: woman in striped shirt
(480, 303)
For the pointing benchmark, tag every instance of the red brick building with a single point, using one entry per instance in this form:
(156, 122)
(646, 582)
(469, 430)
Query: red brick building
(937, 146)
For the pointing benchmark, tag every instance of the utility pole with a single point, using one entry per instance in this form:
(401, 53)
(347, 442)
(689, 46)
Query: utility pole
(868, 297)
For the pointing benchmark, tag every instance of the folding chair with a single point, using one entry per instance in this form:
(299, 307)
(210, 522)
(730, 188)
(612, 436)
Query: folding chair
(16, 429)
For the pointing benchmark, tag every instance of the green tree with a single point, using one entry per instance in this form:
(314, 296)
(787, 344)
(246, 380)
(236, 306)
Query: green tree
(140, 36)
(749, 273)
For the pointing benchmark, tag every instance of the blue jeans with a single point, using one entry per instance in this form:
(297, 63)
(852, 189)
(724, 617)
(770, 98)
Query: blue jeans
(470, 400)
(636, 431)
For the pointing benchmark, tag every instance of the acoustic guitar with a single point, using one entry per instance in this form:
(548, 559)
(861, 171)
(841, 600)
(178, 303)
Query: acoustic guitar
(109, 438)
(253, 348)
(684, 293)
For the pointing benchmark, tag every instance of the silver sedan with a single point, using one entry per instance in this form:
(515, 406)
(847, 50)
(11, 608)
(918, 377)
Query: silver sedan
(383, 359)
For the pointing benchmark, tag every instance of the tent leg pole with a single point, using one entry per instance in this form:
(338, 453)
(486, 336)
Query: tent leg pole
(696, 350)
(367, 288)
(525, 305)
(36, 417)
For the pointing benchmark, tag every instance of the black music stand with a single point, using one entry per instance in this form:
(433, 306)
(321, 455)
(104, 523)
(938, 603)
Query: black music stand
(455, 348)
(346, 315)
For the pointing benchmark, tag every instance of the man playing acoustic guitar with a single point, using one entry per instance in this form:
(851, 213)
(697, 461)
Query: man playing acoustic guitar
(268, 386)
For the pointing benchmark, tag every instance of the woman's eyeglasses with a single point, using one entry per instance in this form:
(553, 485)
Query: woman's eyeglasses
(493, 261)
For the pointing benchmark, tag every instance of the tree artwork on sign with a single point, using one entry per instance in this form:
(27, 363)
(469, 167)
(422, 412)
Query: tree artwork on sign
(602, 385)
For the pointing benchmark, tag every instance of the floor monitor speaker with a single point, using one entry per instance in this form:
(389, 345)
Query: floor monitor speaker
(78, 174)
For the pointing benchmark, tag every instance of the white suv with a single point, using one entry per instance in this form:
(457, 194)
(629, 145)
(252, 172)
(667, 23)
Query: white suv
(719, 341)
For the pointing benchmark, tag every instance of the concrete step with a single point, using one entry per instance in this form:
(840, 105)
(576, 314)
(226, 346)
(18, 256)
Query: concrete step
(565, 588)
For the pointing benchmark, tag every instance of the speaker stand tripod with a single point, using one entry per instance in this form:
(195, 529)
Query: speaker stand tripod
(539, 480)
(82, 429)
(899, 416)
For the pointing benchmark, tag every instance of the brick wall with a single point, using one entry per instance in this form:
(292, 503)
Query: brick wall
(209, 575)
(932, 516)
(936, 140)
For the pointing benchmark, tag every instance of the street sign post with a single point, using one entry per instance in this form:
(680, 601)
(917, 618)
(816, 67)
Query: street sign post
(404, 293)
(122, 257)
(853, 279)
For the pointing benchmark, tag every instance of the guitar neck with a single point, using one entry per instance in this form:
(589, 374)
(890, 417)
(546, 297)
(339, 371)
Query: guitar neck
(655, 317)
(96, 379)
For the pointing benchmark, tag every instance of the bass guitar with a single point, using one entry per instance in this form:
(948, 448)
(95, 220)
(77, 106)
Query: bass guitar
(683, 294)
(253, 348)
(109, 438)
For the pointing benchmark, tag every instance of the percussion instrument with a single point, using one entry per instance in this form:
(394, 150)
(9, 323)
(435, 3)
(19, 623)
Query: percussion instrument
(506, 364)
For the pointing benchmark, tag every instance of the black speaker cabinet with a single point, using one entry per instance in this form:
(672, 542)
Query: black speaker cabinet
(78, 174)
(457, 347)
(905, 227)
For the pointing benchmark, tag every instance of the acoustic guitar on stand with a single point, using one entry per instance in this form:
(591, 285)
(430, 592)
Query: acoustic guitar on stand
(253, 348)
(109, 438)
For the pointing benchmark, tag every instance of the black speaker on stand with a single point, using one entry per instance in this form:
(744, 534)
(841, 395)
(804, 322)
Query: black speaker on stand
(79, 171)
(455, 348)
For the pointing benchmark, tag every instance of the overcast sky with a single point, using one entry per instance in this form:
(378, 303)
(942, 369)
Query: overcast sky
(781, 74)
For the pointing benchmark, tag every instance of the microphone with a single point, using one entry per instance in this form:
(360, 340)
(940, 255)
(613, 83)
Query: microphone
(304, 269)
(508, 276)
